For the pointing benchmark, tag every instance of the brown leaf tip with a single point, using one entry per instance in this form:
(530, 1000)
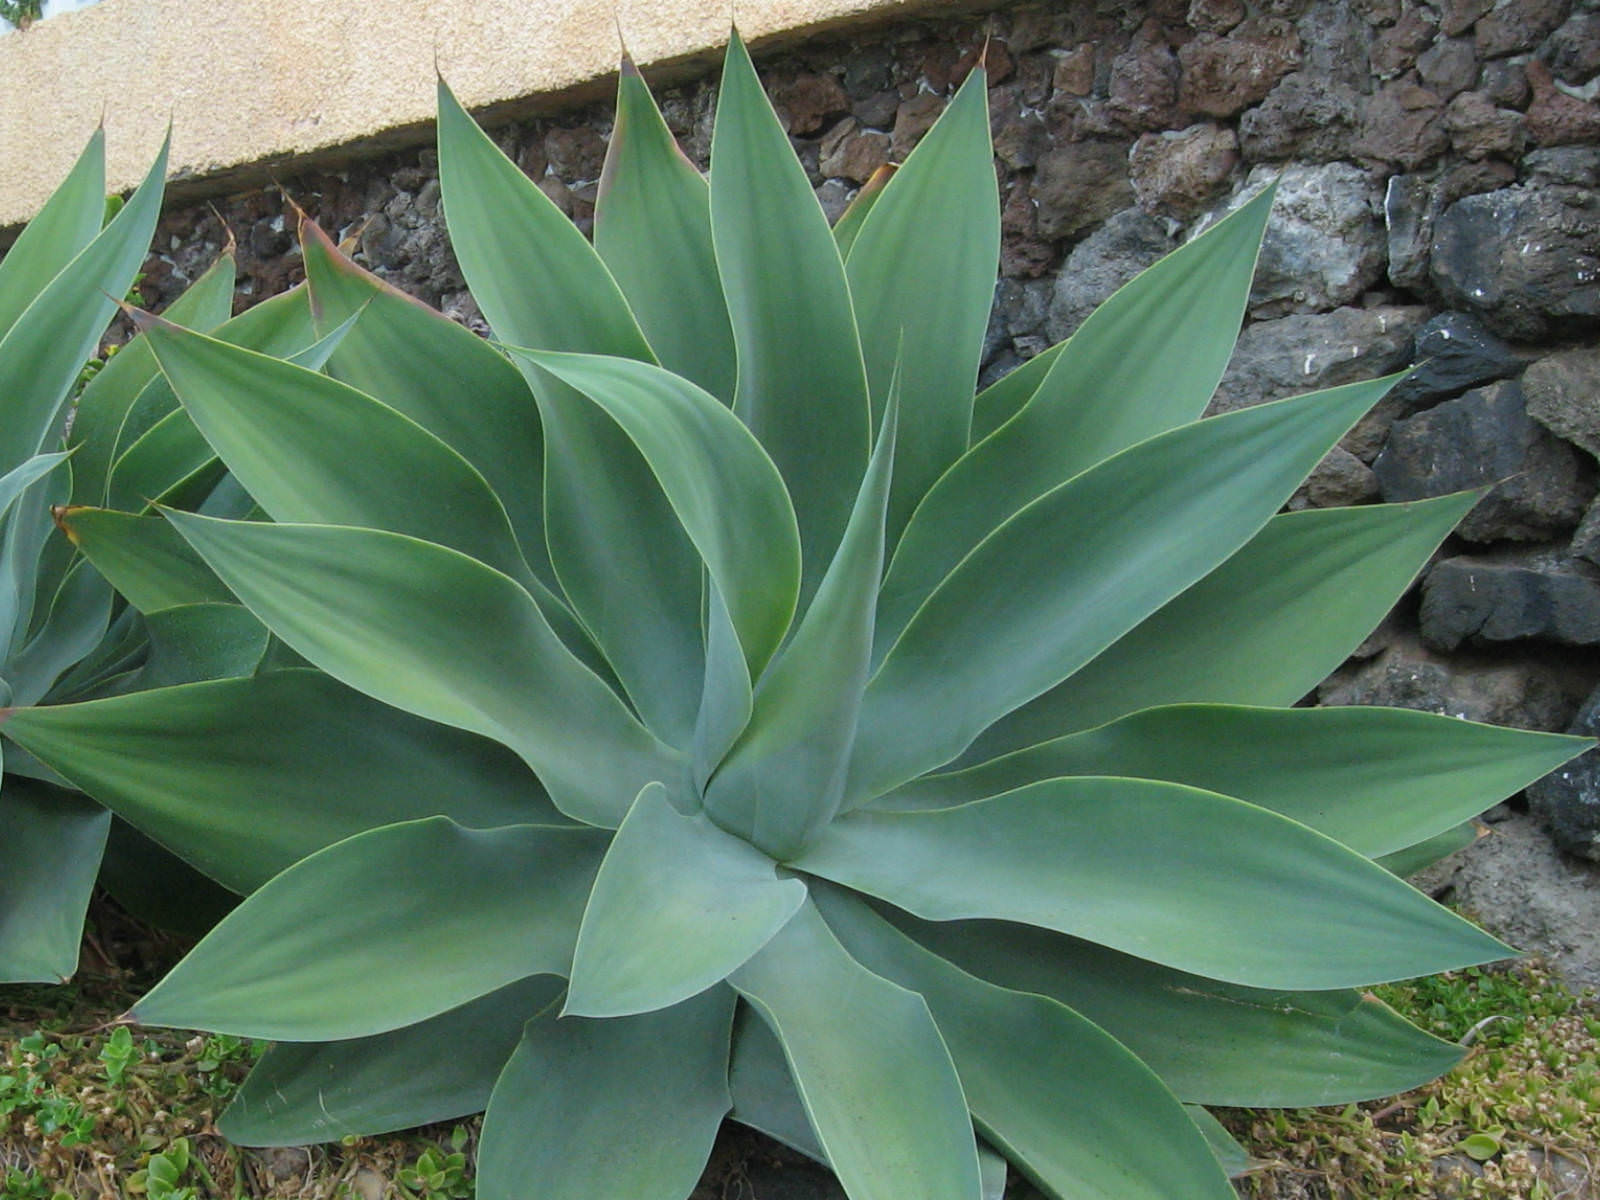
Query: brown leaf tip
(61, 514)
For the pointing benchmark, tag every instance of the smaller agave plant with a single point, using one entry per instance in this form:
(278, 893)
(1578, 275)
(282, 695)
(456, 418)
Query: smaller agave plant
(63, 634)
(711, 707)
(125, 443)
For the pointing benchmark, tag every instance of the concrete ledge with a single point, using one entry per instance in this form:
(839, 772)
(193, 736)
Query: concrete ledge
(249, 85)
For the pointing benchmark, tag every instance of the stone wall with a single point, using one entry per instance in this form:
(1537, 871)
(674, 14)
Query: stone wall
(1439, 203)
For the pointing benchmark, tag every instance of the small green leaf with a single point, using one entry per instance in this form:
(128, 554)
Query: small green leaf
(849, 222)
(144, 558)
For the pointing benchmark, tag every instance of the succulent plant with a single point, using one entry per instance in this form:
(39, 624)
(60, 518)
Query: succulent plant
(62, 634)
(124, 443)
(708, 705)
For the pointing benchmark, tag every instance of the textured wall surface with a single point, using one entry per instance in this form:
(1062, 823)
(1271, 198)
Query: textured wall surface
(1439, 204)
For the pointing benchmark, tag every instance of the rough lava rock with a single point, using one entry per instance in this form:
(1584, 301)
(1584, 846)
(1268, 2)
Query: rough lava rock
(1530, 691)
(1511, 596)
(1126, 244)
(1176, 173)
(1303, 117)
(1563, 395)
(1540, 485)
(1567, 800)
(1079, 185)
(1454, 352)
(1531, 896)
(1306, 352)
(1325, 243)
(1526, 258)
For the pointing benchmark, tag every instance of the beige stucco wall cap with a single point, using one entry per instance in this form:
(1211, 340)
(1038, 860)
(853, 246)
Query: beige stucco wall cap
(252, 85)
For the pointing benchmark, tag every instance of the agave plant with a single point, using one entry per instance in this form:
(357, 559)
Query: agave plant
(63, 635)
(126, 444)
(708, 705)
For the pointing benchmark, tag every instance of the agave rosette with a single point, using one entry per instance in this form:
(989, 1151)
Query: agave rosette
(710, 706)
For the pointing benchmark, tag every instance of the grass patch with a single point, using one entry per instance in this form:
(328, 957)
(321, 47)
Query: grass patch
(1518, 1120)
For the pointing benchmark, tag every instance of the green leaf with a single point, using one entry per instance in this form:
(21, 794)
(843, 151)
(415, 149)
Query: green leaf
(422, 364)
(46, 346)
(166, 458)
(677, 905)
(611, 531)
(53, 843)
(1314, 584)
(871, 1067)
(158, 887)
(447, 914)
(1075, 570)
(194, 642)
(764, 1095)
(1376, 779)
(922, 297)
(61, 229)
(849, 222)
(1076, 1111)
(802, 382)
(726, 696)
(24, 475)
(1423, 854)
(280, 326)
(652, 226)
(622, 1107)
(311, 449)
(110, 395)
(144, 558)
(77, 619)
(1145, 362)
(436, 1070)
(1211, 1042)
(196, 766)
(446, 638)
(1233, 1158)
(785, 776)
(1242, 895)
(507, 233)
(1004, 398)
(726, 492)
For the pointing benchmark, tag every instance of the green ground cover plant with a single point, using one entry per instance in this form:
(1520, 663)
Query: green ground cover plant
(701, 703)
